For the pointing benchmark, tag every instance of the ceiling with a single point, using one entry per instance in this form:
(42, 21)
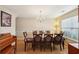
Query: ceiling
(34, 10)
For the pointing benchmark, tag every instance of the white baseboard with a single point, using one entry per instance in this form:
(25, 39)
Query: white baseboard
(71, 39)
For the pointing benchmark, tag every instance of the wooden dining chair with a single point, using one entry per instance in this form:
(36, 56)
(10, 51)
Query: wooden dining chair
(47, 42)
(37, 42)
(26, 40)
(59, 40)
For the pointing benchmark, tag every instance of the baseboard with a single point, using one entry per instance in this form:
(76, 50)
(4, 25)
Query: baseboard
(71, 39)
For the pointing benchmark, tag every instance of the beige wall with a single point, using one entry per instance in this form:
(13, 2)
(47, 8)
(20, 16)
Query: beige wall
(57, 25)
(11, 29)
(31, 24)
(57, 20)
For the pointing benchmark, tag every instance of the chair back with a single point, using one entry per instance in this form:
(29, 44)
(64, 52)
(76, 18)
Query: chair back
(34, 32)
(25, 36)
(40, 32)
(58, 39)
(37, 38)
(48, 38)
(47, 32)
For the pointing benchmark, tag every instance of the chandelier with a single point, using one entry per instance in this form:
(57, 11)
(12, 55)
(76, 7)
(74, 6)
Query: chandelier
(40, 17)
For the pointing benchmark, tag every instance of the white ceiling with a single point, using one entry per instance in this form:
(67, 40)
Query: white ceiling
(34, 10)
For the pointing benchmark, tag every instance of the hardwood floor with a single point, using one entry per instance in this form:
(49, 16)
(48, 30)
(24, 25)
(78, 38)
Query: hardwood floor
(20, 49)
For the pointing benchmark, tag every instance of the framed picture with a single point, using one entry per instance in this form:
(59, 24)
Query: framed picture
(5, 19)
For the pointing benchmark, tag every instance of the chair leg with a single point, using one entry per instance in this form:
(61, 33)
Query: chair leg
(25, 47)
(33, 47)
(60, 47)
(53, 46)
(41, 48)
(63, 45)
(44, 49)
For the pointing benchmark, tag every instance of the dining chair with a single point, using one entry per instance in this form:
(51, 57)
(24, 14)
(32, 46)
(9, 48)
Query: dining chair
(26, 40)
(58, 40)
(47, 42)
(37, 42)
